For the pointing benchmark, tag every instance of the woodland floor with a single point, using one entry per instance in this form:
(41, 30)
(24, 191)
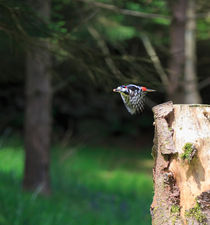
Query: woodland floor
(90, 186)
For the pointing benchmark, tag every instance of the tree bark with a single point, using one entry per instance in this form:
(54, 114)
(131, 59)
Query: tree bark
(191, 91)
(177, 50)
(38, 110)
(183, 86)
(182, 165)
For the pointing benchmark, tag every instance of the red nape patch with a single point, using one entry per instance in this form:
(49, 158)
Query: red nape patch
(143, 88)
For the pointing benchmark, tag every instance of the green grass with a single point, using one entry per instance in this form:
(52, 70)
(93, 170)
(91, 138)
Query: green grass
(90, 186)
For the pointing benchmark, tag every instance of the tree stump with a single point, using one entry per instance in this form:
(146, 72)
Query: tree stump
(181, 172)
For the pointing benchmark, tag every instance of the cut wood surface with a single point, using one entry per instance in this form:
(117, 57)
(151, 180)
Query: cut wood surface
(182, 164)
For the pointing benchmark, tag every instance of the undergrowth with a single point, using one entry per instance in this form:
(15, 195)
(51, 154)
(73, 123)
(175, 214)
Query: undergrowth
(90, 186)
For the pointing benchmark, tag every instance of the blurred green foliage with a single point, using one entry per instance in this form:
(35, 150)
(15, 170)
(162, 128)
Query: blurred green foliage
(81, 77)
(90, 185)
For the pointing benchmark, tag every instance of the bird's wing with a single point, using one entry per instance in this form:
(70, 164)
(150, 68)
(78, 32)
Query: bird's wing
(138, 102)
(127, 103)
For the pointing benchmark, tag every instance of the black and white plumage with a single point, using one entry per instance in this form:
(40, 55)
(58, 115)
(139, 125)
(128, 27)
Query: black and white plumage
(133, 96)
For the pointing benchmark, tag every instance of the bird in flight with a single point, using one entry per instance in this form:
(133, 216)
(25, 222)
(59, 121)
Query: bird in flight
(133, 97)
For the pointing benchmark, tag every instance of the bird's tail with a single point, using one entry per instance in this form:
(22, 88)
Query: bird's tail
(150, 90)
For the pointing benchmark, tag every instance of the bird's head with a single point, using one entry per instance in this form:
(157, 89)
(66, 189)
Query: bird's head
(123, 89)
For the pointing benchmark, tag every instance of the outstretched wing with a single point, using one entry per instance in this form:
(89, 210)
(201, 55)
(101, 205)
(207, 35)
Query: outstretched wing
(134, 102)
(137, 101)
(129, 107)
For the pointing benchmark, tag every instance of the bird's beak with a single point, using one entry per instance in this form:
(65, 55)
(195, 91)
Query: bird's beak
(117, 89)
(150, 90)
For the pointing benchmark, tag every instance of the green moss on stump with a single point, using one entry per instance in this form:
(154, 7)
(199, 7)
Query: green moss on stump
(175, 209)
(189, 152)
(197, 214)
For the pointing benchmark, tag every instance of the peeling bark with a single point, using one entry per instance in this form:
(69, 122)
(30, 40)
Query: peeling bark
(182, 165)
(204, 200)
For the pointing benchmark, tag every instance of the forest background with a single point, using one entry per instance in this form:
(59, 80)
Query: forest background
(64, 133)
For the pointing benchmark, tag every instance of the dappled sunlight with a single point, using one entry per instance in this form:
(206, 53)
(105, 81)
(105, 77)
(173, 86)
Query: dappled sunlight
(126, 181)
(109, 170)
(12, 160)
(92, 186)
(96, 171)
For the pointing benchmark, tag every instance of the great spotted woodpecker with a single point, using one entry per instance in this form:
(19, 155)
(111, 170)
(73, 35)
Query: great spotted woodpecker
(133, 96)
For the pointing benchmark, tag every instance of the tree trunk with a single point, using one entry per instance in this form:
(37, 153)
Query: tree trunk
(38, 111)
(191, 91)
(182, 64)
(182, 165)
(177, 50)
